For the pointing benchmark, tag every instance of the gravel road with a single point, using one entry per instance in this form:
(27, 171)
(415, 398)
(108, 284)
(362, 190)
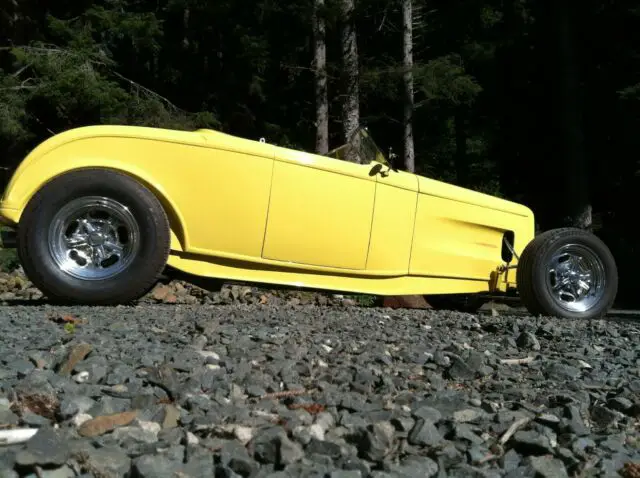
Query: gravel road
(290, 391)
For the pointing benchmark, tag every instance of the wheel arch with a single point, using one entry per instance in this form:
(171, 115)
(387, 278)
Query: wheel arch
(178, 231)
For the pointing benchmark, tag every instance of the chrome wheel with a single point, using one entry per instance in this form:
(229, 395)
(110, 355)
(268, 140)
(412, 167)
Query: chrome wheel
(93, 238)
(576, 278)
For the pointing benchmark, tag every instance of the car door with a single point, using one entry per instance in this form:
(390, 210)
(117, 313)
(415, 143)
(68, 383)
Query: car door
(393, 221)
(229, 196)
(320, 211)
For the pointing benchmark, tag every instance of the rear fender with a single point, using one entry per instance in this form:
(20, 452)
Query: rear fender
(30, 178)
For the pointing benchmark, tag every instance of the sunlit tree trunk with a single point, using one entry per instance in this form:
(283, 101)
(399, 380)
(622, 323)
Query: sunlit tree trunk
(320, 64)
(409, 154)
(351, 105)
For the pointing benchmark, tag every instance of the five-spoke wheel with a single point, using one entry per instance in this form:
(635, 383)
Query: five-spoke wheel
(576, 277)
(567, 273)
(94, 237)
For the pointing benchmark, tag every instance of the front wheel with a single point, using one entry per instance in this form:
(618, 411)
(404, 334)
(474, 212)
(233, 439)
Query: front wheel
(567, 273)
(93, 236)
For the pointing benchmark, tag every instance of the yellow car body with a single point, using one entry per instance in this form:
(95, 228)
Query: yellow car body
(249, 210)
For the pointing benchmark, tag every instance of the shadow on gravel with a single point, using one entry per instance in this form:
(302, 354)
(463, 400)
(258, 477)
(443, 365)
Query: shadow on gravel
(42, 302)
(616, 315)
(25, 302)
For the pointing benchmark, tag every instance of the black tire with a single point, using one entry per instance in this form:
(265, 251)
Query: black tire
(145, 214)
(535, 280)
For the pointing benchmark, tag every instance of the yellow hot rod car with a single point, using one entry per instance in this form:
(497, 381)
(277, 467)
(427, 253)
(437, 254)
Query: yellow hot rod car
(99, 212)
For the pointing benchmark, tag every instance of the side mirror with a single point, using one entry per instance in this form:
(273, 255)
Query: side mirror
(377, 169)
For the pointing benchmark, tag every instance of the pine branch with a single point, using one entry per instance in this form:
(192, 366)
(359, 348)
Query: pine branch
(149, 92)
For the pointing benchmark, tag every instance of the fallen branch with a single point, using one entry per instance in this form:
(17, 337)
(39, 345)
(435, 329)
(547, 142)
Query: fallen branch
(515, 426)
(19, 72)
(267, 415)
(19, 88)
(520, 361)
(285, 394)
(312, 408)
(17, 435)
(487, 459)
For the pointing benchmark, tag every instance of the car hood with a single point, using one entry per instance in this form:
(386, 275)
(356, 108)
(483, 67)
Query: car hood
(444, 190)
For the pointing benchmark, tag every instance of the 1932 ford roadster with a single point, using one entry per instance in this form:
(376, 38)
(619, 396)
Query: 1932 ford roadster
(100, 211)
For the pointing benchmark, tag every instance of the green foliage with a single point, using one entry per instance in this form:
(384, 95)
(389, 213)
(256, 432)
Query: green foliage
(13, 113)
(630, 92)
(444, 79)
(76, 81)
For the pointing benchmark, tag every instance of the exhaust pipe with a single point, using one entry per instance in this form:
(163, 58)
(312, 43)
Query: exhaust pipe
(8, 238)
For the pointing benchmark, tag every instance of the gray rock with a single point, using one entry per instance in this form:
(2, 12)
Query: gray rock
(108, 461)
(8, 417)
(158, 466)
(47, 447)
(71, 406)
(467, 415)
(620, 404)
(108, 405)
(33, 420)
(346, 474)
(235, 457)
(415, 466)
(21, 367)
(62, 472)
(427, 413)
(561, 372)
(460, 370)
(510, 460)
(532, 443)
(574, 423)
(528, 341)
(425, 433)
(200, 462)
(546, 467)
(326, 448)
(377, 441)
(8, 472)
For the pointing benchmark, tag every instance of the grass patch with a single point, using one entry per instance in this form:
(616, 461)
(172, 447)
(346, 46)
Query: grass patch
(364, 300)
(8, 260)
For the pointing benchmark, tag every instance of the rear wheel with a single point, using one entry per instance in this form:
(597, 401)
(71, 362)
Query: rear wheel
(567, 273)
(94, 236)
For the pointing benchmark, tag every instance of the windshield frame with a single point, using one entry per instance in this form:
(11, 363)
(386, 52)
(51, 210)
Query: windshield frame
(367, 149)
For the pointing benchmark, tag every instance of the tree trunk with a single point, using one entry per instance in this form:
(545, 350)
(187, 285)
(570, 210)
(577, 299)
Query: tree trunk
(461, 159)
(573, 175)
(409, 154)
(351, 106)
(186, 15)
(320, 68)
